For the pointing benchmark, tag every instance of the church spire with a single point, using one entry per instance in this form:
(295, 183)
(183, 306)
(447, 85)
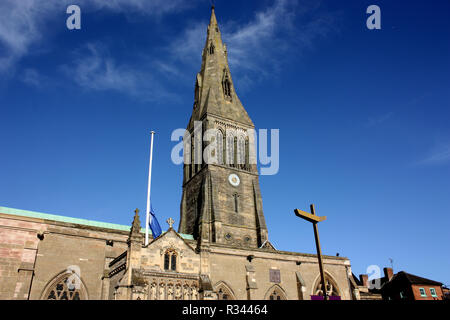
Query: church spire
(213, 20)
(214, 89)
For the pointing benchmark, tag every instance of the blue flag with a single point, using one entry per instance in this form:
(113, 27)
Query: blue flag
(154, 224)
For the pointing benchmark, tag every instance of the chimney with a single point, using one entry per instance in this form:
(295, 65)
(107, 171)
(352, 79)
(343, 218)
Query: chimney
(364, 278)
(388, 273)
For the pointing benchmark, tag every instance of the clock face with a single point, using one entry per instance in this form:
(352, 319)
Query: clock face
(234, 179)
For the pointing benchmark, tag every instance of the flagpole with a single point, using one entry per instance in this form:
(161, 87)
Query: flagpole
(148, 190)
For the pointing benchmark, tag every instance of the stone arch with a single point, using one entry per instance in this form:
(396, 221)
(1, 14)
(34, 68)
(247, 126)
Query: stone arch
(331, 286)
(224, 291)
(275, 292)
(66, 285)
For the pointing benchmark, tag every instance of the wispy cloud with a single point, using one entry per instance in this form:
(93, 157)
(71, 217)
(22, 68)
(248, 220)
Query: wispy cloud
(95, 69)
(257, 49)
(377, 120)
(21, 25)
(23, 22)
(439, 155)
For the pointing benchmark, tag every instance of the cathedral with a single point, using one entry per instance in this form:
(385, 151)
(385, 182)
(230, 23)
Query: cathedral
(220, 251)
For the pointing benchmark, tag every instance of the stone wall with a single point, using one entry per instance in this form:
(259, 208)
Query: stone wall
(251, 279)
(33, 252)
(18, 247)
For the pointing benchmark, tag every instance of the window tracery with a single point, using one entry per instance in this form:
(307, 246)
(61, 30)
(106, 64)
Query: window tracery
(330, 287)
(224, 292)
(65, 287)
(276, 293)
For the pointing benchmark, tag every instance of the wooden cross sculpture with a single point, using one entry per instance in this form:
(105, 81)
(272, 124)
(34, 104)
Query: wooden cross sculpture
(311, 217)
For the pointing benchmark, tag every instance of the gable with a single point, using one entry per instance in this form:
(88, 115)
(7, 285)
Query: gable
(170, 238)
(152, 256)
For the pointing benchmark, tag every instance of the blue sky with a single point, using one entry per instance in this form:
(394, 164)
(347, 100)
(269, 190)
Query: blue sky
(363, 115)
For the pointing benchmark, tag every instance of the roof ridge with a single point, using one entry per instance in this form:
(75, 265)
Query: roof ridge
(66, 219)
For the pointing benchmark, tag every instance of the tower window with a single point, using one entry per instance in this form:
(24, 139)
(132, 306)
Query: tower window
(220, 144)
(241, 157)
(236, 202)
(226, 85)
(211, 49)
(230, 149)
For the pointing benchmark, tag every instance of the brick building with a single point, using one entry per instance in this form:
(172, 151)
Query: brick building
(221, 250)
(403, 286)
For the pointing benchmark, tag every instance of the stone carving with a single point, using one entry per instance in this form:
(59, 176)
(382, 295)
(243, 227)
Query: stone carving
(162, 290)
(153, 291)
(178, 294)
(170, 292)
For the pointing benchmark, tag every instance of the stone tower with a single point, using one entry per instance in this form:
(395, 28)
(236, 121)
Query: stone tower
(221, 201)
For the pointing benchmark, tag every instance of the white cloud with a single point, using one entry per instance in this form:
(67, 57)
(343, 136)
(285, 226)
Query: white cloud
(95, 69)
(256, 49)
(20, 27)
(23, 22)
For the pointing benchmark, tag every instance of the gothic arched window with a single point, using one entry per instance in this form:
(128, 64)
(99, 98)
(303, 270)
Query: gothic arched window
(211, 49)
(241, 156)
(275, 293)
(236, 202)
(224, 292)
(67, 286)
(220, 144)
(330, 287)
(230, 149)
(170, 260)
(247, 154)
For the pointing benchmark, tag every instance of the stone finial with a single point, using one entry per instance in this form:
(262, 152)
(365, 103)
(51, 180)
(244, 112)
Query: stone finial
(170, 222)
(136, 225)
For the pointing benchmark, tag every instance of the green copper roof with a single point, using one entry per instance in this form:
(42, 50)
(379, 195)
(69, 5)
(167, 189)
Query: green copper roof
(85, 222)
